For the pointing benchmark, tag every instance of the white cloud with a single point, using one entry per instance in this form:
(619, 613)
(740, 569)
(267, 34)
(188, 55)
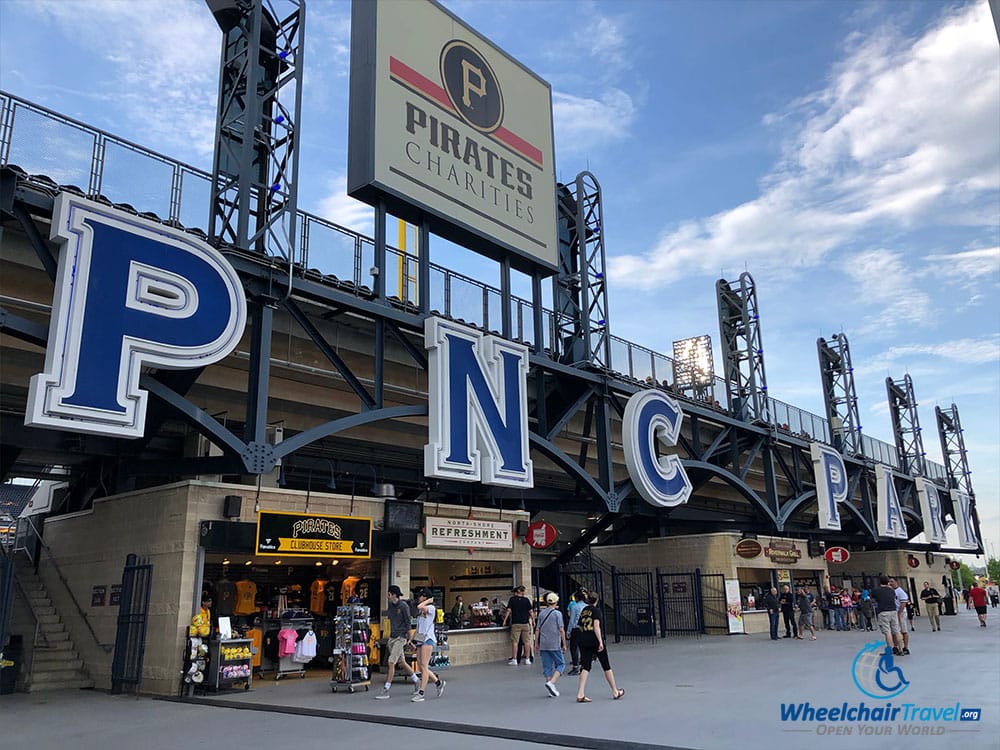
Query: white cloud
(165, 57)
(583, 123)
(903, 136)
(966, 266)
(883, 279)
(338, 207)
(966, 351)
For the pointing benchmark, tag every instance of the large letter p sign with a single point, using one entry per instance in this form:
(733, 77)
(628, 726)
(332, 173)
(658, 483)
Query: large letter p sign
(129, 293)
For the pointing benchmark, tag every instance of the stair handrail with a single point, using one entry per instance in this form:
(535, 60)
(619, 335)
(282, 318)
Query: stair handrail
(52, 558)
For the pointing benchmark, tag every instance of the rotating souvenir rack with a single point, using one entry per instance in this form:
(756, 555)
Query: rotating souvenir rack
(230, 663)
(351, 650)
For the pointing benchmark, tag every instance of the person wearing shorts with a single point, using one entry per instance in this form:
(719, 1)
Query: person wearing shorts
(888, 615)
(805, 614)
(550, 642)
(978, 596)
(591, 646)
(399, 635)
(520, 614)
(902, 602)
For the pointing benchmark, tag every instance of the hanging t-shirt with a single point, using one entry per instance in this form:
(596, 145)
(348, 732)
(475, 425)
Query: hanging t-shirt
(317, 596)
(225, 598)
(347, 588)
(332, 598)
(286, 642)
(246, 597)
(362, 590)
(305, 649)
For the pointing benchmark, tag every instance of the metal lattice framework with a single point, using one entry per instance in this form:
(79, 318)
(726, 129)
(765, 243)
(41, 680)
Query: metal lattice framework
(580, 288)
(742, 350)
(254, 183)
(956, 460)
(841, 400)
(906, 425)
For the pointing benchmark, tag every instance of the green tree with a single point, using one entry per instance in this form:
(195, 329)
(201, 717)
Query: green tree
(993, 569)
(966, 575)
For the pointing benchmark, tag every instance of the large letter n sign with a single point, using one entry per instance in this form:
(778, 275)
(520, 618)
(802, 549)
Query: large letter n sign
(129, 293)
(477, 407)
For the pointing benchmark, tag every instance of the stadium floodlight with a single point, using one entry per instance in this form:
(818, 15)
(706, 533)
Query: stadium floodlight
(694, 368)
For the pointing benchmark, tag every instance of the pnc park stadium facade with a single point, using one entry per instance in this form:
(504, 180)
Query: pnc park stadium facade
(188, 358)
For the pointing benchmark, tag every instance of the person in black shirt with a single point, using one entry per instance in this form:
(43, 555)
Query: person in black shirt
(932, 605)
(888, 620)
(592, 644)
(771, 605)
(787, 602)
(520, 615)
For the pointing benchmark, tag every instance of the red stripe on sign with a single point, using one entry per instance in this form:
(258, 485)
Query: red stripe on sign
(436, 93)
(520, 145)
(420, 82)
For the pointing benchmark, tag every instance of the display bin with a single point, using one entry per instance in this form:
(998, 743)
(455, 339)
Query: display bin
(351, 666)
(230, 663)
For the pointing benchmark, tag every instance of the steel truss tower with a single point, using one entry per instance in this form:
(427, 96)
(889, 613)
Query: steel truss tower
(254, 186)
(906, 425)
(742, 351)
(841, 400)
(580, 288)
(956, 460)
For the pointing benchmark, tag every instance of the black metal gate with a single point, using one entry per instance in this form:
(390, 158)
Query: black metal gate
(679, 603)
(632, 599)
(6, 593)
(572, 580)
(133, 616)
(713, 602)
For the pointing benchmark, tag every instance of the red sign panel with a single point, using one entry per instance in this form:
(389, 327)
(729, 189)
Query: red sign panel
(541, 534)
(837, 555)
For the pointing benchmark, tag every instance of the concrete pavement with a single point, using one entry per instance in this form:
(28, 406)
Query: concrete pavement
(699, 693)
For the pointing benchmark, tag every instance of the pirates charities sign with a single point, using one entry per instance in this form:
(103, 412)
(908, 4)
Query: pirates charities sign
(445, 126)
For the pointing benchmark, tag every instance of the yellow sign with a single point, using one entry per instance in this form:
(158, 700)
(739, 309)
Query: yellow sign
(319, 546)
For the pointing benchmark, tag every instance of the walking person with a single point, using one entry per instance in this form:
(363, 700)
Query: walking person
(805, 604)
(888, 614)
(787, 602)
(591, 646)
(932, 605)
(867, 608)
(902, 601)
(994, 594)
(550, 642)
(977, 595)
(399, 635)
(574, 609)
(520, 614)
(426, 640)
(772, 605)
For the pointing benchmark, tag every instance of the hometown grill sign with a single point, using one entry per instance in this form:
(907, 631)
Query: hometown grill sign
(281, 534)
(783, 551)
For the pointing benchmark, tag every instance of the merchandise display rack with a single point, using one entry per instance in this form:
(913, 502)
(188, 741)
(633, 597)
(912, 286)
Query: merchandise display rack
(351, 668)
(230, 662)
(439, 656)
(285, 665)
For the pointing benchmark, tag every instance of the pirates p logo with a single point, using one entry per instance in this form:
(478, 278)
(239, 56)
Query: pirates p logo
(472, 86)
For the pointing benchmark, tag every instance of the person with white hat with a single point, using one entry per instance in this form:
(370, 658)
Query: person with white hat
(550, 642)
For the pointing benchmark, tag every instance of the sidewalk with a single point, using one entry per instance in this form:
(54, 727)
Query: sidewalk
(705, 693)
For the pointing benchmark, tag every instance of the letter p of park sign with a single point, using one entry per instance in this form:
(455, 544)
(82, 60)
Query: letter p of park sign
(313, 535)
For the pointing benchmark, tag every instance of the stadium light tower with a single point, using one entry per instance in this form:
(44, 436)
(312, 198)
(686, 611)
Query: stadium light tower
(742, 350)
(956, 460)
(841, 400)
(906, 425)
(694, 368)
(254, 173)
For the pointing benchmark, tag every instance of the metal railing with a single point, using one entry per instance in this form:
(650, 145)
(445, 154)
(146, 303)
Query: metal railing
(59, 152)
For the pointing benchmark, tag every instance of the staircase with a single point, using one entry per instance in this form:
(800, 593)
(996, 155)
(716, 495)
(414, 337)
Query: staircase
(55, 664)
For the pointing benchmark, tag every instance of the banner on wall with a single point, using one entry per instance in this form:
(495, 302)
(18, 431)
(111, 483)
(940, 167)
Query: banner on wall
(468, 532)
(734, 606)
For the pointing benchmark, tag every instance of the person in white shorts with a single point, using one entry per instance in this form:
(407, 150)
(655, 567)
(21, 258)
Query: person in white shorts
(888, 615)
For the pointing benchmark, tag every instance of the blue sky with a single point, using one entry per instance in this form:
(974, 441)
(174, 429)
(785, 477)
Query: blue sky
(846, 154)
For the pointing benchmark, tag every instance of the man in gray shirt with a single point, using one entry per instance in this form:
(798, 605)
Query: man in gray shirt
(550, 642)
(399, 634)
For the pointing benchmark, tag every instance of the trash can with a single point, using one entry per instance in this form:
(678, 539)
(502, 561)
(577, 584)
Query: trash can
(947, 605)
(10, 664)
(644, 621)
